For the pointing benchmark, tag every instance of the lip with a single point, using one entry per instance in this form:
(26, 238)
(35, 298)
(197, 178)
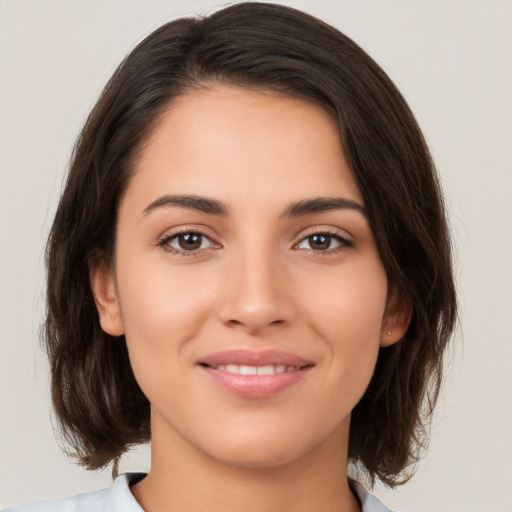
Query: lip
(254, 386)
(254, 358)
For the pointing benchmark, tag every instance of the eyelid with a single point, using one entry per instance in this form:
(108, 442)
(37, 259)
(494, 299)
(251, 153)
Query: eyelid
(164, 239)
(346, 242)
(324, 229)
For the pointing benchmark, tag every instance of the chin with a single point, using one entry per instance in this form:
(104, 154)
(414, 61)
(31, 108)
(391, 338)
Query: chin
(264, 450)
(260, 459)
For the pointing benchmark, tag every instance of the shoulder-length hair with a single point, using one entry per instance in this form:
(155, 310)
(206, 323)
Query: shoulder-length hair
(101, 409)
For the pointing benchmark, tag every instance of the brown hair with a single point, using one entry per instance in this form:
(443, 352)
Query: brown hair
(101, 409)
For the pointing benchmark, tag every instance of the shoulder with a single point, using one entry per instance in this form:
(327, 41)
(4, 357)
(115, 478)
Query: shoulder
(116, 498)
(369, 503)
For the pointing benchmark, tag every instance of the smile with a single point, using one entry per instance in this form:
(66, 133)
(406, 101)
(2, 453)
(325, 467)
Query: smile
(250, 374)
(257, 370)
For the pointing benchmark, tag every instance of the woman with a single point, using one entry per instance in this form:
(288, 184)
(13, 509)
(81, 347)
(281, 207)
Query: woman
(250, 266)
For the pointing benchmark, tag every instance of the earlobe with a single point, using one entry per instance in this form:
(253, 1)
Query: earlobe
(103, 288)
(396, 320)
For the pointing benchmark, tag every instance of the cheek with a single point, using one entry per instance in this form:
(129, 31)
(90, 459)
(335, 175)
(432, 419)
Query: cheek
(348, 316)
(350, 305)
(155, 295)
(162, 310)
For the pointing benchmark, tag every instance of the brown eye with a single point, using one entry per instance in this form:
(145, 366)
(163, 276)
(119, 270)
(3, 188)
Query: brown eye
(187, 242)
(320, 242)
(324, 242)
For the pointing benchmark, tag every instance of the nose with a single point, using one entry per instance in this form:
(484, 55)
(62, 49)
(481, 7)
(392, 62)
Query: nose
(256, 296)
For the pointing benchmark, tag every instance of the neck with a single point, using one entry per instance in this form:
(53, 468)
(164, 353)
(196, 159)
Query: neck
(185, 478)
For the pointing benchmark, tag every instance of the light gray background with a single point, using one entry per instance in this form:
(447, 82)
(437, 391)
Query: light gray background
(450, 58)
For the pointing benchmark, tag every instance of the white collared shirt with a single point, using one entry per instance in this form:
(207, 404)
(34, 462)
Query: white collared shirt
(118, 498)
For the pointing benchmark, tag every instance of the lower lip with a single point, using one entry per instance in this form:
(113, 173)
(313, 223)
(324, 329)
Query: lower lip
(255, 386)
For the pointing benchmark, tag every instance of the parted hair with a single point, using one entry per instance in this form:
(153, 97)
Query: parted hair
(100, 408)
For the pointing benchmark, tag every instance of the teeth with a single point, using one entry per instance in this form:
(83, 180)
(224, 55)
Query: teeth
(256, 370)
(248, 370)
(266, 370)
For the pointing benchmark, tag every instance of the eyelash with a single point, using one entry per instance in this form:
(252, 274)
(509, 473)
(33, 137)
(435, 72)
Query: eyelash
(164, 243)
(344, 243)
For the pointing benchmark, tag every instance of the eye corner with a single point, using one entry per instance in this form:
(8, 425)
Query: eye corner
(329, 242)
(200, 242)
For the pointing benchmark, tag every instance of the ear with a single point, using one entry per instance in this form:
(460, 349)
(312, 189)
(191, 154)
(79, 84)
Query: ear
(104, 291)
(396, 320)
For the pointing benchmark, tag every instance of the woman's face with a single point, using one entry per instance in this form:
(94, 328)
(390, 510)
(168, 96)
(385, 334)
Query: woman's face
(247, 280)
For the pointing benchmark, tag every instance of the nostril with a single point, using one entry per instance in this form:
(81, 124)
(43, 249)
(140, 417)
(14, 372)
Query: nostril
(255, 313)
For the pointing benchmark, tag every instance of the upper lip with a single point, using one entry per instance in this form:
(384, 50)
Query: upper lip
(254, 358)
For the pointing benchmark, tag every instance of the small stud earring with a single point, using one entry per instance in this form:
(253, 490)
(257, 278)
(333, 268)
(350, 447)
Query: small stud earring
(388, 333)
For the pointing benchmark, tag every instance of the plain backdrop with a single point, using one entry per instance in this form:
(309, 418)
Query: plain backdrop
(452, 61)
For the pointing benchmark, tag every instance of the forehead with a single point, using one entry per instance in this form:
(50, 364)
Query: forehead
(230, 142)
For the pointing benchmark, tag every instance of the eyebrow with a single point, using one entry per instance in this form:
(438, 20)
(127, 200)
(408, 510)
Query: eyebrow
(190, 202)
(322, 204)
(214, 207)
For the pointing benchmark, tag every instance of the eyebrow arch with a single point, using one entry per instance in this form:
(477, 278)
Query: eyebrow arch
(322, 204)
(190, 202)
(214, 207)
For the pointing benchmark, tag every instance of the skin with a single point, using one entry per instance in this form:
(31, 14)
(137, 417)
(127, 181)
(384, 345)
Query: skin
(255, 283)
